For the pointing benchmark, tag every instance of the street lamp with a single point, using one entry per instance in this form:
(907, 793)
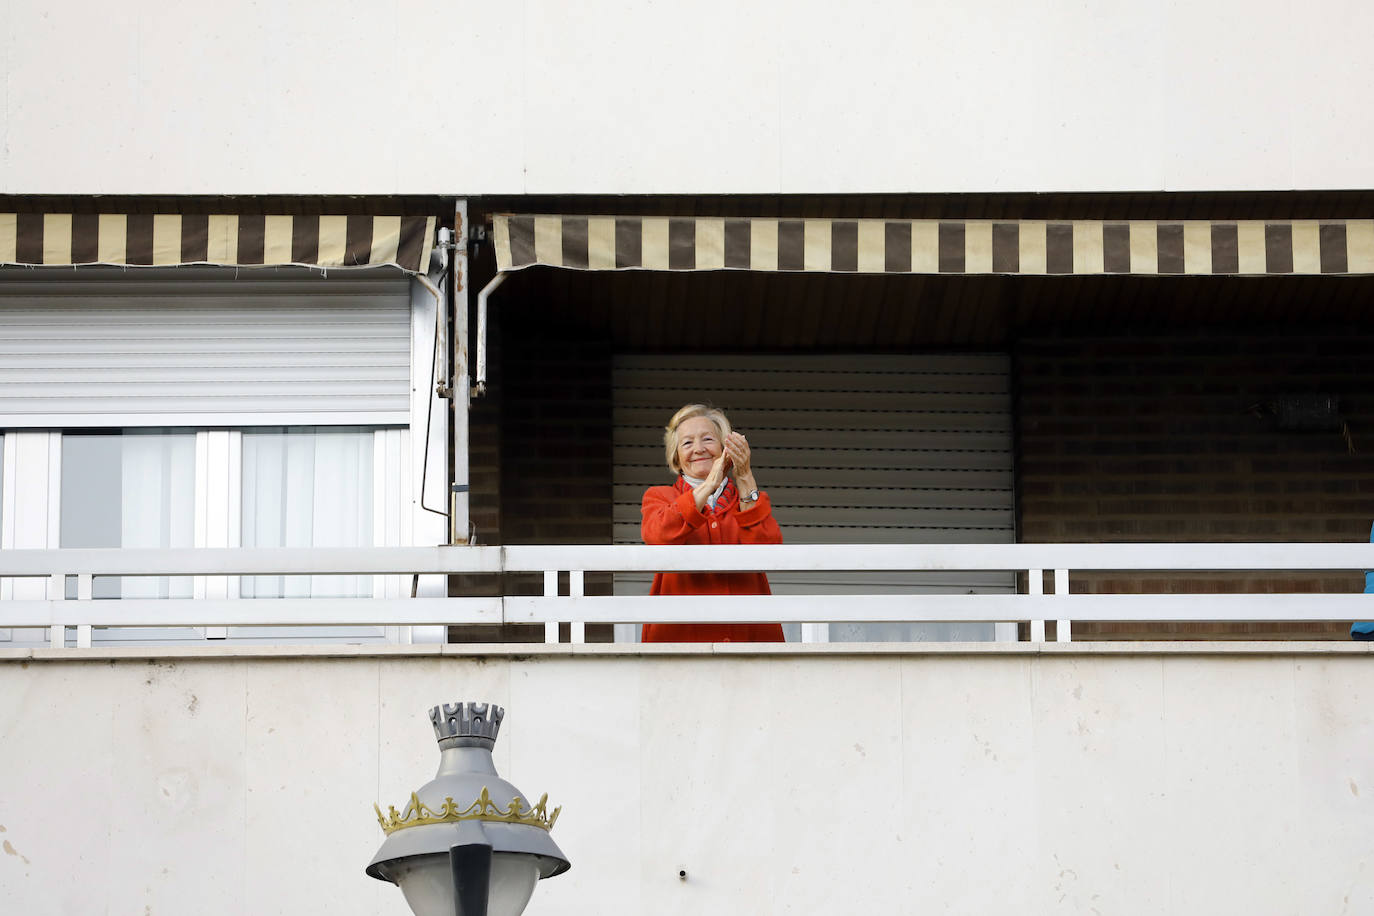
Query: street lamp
(467, 844)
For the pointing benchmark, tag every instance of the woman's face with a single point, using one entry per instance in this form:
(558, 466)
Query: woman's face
(698, 446)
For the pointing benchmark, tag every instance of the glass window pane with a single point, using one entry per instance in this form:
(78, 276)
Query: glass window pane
(134, 488)
(307, 487)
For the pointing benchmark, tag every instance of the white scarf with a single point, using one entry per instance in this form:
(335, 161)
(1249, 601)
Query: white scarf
(695, 482)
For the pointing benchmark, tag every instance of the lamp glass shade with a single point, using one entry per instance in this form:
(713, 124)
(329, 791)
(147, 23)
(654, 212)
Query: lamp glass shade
(427, 883)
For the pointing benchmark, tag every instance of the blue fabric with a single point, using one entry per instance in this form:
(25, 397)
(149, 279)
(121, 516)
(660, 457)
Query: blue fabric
(1365, 629)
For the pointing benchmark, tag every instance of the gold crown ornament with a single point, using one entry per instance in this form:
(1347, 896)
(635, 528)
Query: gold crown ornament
(417, 813)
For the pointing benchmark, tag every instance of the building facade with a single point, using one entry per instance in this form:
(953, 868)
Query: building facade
(379, 278)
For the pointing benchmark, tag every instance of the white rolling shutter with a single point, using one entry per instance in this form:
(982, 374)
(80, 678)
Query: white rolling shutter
(852, 449)
(204, 348)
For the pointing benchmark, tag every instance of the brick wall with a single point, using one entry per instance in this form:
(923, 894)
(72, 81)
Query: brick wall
(1160, 439)
(541, 459)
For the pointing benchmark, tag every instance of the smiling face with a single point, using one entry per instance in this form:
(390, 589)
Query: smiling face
(698, 446)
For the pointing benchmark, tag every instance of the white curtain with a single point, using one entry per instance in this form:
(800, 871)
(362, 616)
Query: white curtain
(136, 488)
(157, 503)
(307, 487)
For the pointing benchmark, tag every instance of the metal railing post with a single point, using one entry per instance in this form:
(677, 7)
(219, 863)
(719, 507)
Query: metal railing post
(1063, 629)
(551, 591)
(577, 629)
(84, 590)
(1035, 585)
(57, 591)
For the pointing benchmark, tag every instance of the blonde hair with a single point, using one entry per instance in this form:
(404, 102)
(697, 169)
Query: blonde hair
(714, 414)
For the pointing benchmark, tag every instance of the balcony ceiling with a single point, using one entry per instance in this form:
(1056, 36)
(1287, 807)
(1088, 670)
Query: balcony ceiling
(650, 311)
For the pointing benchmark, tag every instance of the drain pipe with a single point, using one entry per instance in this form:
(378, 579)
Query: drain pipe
(487, 290)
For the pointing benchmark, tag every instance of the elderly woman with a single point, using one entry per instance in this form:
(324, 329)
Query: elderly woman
(715, 500)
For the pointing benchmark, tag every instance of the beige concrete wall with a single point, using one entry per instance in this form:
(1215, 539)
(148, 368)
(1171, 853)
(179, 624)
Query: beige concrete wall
(1073, 780)
(769, 96)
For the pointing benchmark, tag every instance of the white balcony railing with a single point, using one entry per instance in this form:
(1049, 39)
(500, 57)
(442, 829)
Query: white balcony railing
(53, 567)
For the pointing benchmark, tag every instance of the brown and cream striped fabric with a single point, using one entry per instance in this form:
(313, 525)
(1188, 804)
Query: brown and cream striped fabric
(1205, 247)
(145, 239)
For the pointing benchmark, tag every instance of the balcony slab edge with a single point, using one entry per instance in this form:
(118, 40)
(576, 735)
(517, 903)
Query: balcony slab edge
(537, 651)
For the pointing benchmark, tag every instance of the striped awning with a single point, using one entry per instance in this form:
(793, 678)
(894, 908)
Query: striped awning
(146, 239)
(879, 246)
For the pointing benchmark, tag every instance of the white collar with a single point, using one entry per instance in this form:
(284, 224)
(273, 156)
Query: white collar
(695, 482)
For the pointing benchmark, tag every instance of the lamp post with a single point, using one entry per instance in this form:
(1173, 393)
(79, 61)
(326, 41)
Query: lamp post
(467, 844)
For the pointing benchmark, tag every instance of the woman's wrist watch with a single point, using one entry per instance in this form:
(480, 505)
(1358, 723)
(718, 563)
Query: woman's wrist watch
(752, 496)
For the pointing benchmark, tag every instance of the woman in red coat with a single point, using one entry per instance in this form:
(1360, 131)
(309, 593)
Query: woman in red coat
(715, 500)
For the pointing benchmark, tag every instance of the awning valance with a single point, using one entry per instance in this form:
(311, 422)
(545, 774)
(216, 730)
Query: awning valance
(885, 246)
(147, 239)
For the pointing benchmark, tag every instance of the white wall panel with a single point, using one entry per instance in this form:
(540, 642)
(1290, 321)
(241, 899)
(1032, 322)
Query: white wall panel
(1166, 784)
(454, 102)
(1233, 84)
(1324, 79)
(659, 96)
(58, 763)
(275, 734)
(939, 93)
(540, 96)
(1097, 106)
(175, 761)
(6, 68)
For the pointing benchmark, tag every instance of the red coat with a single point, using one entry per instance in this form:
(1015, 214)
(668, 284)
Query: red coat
(670, 516)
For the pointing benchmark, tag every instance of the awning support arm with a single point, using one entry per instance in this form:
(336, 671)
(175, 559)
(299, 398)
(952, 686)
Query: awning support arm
(481, 386)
